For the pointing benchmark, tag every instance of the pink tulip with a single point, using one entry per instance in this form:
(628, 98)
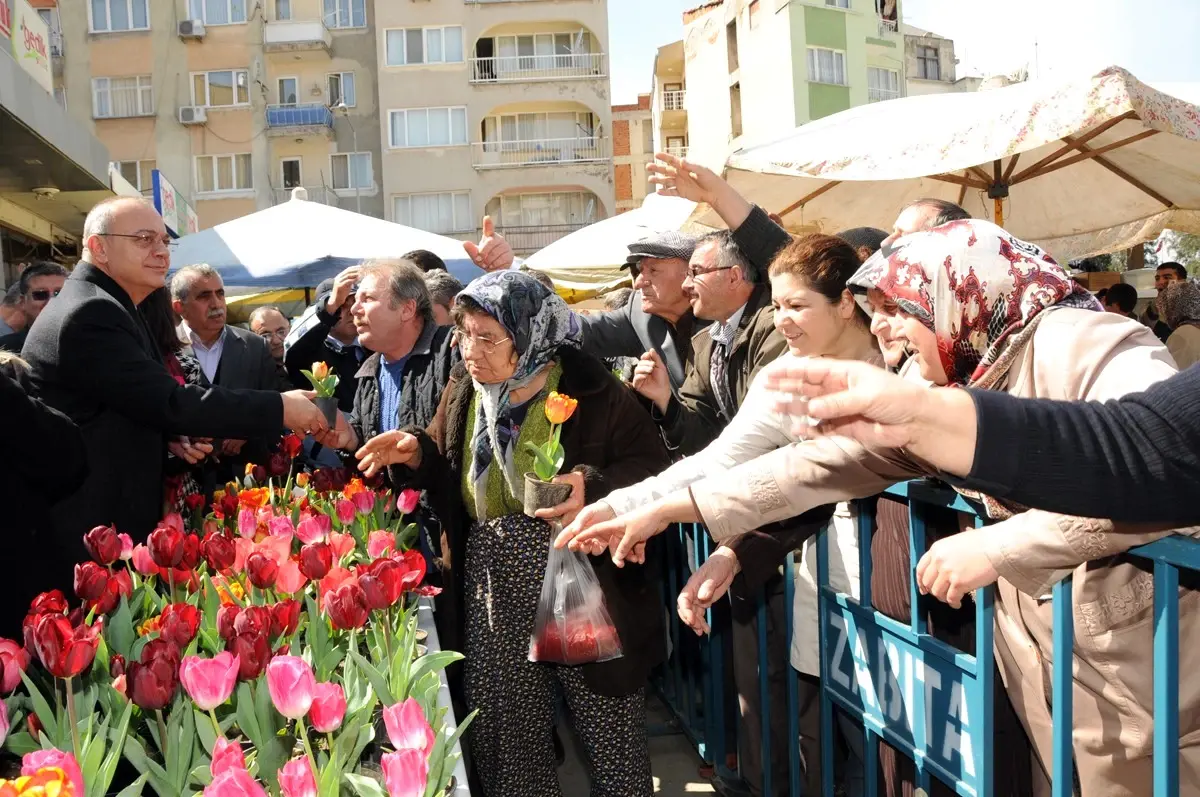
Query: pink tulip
(281, 527)
(126, 546)
(4, 722)
(226, 755)
(142, 561)
(290, 579)
(296, 779)
(175, 521)
(278, 548)
(209, 682)
(328, 708)
(405, 773)
(291, 682)
(310, 530)
(406, 502)
(41, 759)
(247, 524)
(345, 511)
(379, 543)
(342, 544)
(407, 727)
(364, 502)
(234, 783)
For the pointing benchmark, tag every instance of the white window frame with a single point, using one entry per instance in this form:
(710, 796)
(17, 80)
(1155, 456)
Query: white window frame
(283, 179)
(279, 89)
(143, 82)
(842, 4)
(146, 189)
(341, 76)
(537, 62)
(467, 224)
(202, 5)
(208, 88)
(212, 160)
(896, 92)
(812, 73)
(351, 190)
(496, 143)
(290, 13)
(405, 111)
(339, 24)
(462, 47)
(108, 14)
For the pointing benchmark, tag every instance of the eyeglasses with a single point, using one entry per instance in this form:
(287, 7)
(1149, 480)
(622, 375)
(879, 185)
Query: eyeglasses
(44, 296)
(486, 345)
(273, 333)
(146, 240)
(694, 272)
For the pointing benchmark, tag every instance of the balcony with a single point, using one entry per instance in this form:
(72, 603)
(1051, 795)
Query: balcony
(540, 152)
(673, 100)
(297, 36)
(310, 119)
(888, 27)
(537, 68)
(527, 240)
(880, 95)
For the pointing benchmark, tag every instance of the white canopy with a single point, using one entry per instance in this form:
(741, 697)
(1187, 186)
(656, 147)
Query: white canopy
(299, 243)
(1080, 167)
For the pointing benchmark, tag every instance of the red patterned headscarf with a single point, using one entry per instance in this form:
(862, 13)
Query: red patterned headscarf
(979, 289)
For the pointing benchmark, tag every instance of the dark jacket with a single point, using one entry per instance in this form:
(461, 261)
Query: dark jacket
(246, 364)
(308, 343)
(14, 342)
(611, 440)
(630, 331)
(53, 464)
(93, 360)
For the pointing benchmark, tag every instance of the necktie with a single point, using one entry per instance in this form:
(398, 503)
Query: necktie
(719, 374)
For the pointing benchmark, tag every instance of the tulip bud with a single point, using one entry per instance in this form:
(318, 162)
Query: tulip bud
(328, 708)
(347, 606)
(126, 546)
(219, 552)
(285, 618)
(407, 501)
(180, 622)
(191, 552)
(407, 728)
(291, 682)
(143, 562)
(345, 511)
(90, 580)
(379, 543)
(103, 544)
(116, 664)
(209, 682)
(225, 622)
(261, 569)
(253, 651)
(320, 370)
(315, 560)
(166, 546)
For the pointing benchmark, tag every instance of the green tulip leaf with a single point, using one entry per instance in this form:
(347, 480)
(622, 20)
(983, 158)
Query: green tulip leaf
(46, 715)
(364, 786)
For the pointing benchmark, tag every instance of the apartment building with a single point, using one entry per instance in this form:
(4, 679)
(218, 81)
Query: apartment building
(633, 148)
(931, 66)
(763, 68)
(497, 107)
(235, 101)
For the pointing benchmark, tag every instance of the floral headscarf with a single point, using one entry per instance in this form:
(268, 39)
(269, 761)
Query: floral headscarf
(539, 323)
(979, 289)
(1179, 303)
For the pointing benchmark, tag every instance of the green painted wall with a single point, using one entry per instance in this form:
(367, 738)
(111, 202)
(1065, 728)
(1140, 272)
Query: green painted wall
(824, 100)
(824, 27)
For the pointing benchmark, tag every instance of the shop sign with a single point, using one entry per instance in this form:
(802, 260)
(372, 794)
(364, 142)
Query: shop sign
(177, 214)
(31, 43)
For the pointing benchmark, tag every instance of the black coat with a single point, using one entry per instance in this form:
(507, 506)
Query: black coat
(92, 359)
(613, 442)
(308, 343)
(630, 331)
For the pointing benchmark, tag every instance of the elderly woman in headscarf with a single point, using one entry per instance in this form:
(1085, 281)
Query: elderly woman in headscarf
(519, 344)
(977, 307)
(1179, 306)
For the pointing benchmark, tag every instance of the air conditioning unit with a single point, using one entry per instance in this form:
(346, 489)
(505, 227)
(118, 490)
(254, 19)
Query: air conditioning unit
(191, 29)
(192, 115)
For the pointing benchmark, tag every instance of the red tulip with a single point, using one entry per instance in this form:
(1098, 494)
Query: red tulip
(219, 552)
(347, 606)
(345, 511)
(328, 708)
(191, 552)
(209, 682)
(226, 755)
(379, 543)
(406, 502)
(116, 585)
(253, 651)
(90, 580)
(166, 546)
(259, 474)
(228, 505)
(261, 569)
(152, 682)
(116, 665)
(253, 620)
(103, 545)
(413, 564)
(279, 464)
(180, 622)
(225, 618)
(52, 602)
(14, 660)
(64, 650)
(291, 445)
(285, 618)
(382, 583)
(364, 502)
(316, 559)
(194, 501)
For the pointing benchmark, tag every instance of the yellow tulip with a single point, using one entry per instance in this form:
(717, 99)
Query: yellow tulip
(320, 370)
(560, 407)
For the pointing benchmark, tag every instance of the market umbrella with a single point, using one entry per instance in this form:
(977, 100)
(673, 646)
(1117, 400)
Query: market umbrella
(588, 261)
(1080, 167)
(298, 243)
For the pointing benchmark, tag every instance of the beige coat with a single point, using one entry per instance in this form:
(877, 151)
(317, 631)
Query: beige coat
(1074, 354)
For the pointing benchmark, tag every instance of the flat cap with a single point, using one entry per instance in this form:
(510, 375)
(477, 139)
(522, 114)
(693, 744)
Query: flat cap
(661, 246)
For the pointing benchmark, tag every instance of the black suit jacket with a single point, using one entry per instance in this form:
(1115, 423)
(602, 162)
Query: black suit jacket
(246, 364)
(630, 332)
(92, 359)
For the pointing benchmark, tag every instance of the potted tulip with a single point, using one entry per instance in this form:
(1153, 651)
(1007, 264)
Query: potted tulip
(540, 490)
(324, 382)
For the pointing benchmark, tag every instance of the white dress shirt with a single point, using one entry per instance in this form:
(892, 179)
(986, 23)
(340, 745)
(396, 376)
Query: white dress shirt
(209, 357)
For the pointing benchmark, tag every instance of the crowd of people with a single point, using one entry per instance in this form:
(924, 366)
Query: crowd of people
(750, 380)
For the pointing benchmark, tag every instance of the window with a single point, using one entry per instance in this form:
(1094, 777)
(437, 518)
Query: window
(222, 173)
(732, 44)
(549, 209)
(290, 168)
(838, 3)
(283, 9)
(406, 46)
(440, 213)
(735, 110)
(539, 127)
(538, 51)
(345, 13)
(352, 171)
(928, 67)
(117, 97)
(827, 66)
(647, 138)
(428, 127)
(754, 14)
(882, 84)
(224, 88)
(217, 12)
(138, 173)
(341, 89)
(289, 90)
(109, 16)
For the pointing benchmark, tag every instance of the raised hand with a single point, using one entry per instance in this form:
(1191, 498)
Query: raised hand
(493, 252)
(650, 379)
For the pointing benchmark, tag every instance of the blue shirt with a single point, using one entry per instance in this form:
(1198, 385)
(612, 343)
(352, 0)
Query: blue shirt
(391, 377)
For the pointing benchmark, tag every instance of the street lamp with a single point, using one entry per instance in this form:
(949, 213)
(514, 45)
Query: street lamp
(345, 112)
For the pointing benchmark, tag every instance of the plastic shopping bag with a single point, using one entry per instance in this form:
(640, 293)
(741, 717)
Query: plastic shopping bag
(572, 625)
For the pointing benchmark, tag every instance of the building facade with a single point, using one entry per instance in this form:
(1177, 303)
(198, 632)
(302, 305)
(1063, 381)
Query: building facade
(931, 66)
(633, 148)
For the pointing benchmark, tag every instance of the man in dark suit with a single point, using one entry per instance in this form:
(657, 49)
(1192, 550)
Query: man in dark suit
(92, 359)
(229, 356)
